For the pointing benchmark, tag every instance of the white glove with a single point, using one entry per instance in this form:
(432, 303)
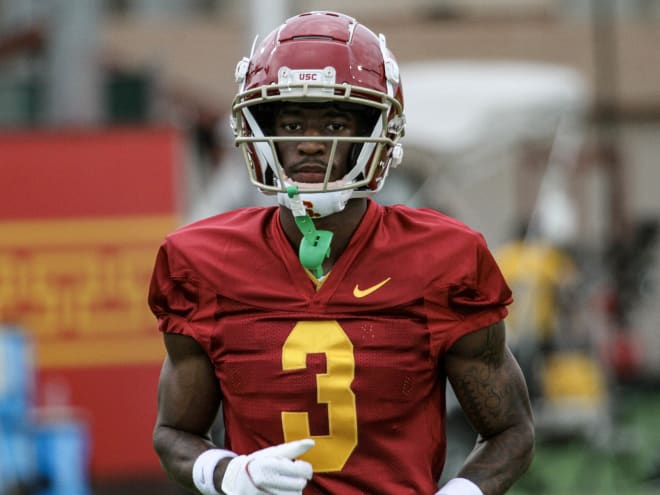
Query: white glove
(459, 486)
(272, 471)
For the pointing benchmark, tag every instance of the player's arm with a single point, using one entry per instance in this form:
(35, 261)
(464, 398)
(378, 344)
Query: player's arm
(188, 400)
(491, 389)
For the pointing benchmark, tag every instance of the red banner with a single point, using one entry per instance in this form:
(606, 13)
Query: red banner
(81, 217)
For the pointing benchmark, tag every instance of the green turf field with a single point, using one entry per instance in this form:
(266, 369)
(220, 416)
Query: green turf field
(622, 465)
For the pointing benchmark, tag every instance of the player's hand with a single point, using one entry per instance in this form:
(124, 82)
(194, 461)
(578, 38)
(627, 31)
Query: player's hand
(271, 471)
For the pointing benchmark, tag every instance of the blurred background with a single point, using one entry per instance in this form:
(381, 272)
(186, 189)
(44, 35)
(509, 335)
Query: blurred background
(536, 122)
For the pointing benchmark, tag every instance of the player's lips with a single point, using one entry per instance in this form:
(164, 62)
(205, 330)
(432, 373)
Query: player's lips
(308, 172)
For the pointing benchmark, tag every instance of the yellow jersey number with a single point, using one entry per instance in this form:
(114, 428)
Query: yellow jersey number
(332, 388)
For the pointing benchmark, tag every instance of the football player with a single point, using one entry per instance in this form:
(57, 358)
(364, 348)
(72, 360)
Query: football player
(326, 327)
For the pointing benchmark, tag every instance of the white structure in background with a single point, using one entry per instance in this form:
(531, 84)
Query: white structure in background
(466, 123)
(266, 16)
(73, 65)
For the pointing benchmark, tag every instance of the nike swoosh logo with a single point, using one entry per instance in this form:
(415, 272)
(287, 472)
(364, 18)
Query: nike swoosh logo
(360, 293)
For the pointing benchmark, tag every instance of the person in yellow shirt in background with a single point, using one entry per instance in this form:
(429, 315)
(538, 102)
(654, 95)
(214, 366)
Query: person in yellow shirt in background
(538, 272)
(558, 359)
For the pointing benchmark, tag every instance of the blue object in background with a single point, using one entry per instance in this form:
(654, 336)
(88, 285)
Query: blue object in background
(17, 375)
(42, 452)
(17, 379)
(17, 458)
(62, 446)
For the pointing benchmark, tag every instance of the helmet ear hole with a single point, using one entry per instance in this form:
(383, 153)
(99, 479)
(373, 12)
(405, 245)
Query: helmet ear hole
(264, 114)
(368, 118)
(353, 158)
(270, 176)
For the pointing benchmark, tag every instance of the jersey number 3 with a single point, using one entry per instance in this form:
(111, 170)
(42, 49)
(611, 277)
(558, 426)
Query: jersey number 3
(332, 388)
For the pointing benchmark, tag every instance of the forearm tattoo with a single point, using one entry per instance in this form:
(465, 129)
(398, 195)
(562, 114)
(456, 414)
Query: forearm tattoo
(486, 393)
(492, 392)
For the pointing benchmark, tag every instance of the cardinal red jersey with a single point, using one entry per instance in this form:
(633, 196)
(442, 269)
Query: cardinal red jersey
(356, 364)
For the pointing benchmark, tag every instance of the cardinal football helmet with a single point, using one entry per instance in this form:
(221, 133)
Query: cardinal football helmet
(321, 57)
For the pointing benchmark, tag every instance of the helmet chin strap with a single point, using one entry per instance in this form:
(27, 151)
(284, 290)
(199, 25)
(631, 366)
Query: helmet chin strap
(315, 244)
(316, 205)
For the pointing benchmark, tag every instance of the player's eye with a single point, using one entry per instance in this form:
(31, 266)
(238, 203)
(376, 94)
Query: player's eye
(335, 127)
(291, 126)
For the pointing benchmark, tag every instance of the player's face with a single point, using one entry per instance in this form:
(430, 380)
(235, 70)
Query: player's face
(307, 160)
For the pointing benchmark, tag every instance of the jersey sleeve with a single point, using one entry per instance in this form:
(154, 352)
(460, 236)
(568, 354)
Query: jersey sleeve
(180, 303)
(474, 296)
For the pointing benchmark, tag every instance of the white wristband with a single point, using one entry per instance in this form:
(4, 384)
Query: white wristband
(204, 467)
(459, 486)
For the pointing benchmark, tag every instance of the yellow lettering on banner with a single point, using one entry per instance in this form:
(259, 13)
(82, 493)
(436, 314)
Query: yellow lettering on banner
(80, 287)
